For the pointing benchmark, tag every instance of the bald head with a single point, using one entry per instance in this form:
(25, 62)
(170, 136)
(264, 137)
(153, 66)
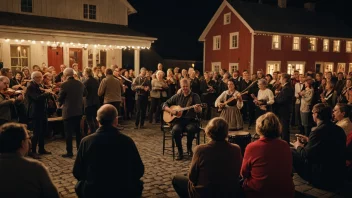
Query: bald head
(68, 72)
(107, 115)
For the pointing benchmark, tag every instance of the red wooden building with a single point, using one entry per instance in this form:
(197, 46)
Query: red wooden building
(251, 36)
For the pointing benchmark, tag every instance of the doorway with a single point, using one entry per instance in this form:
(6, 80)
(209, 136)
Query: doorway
(319, 67)
(75, 55)
(55, 57)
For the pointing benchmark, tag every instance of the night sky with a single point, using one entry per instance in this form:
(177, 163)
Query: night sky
(178, 24)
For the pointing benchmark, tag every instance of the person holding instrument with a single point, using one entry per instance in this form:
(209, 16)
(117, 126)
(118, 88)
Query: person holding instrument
(231, 110)
(187, 123)
(320, 158)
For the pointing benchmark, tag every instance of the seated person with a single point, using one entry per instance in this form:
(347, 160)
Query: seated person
(215, 166)
(20, 176)
(320, 159)
(267, 162)
(341, 115)
(108, 163)
(187, 123)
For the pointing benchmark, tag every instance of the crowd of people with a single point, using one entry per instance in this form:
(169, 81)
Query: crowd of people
(96, 96)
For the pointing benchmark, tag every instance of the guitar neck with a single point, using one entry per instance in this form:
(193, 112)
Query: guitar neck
(187, 108)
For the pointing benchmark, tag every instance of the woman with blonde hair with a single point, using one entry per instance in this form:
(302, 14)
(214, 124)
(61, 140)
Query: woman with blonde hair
(267, 162)
(215, 166)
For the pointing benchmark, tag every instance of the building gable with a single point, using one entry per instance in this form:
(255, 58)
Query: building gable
(218, 14)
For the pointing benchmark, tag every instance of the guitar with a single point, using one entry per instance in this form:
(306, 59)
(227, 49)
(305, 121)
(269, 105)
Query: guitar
(230, 100)
(168, 117)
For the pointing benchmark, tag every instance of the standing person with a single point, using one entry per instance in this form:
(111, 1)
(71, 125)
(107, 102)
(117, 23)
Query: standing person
(159, 88)
(37, 98)
(91, 101)
(208, 90)
(129, 96)
(187, 122)
(58, 78)
(283, 103)
(305, 106)
(20, 176)
(111, 89)
(97, 174)
(231, 111)
(248, 104)
(71, 100)
(142, 86)
(264, 175)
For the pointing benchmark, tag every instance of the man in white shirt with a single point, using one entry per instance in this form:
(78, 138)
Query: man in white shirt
(299, 86)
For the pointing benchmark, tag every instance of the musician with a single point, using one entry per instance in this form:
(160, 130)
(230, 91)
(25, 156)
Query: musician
(37, 97)
(142, 86)
(187, 123)
(236, 78)
(17, 82)
(158, 95)
(283, 103)
(231, 111)
(344, 93)
(264, 100)
(248, 105)
(208, 90)
(329, 95)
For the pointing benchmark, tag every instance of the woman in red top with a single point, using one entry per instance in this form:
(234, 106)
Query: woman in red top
(267, 162)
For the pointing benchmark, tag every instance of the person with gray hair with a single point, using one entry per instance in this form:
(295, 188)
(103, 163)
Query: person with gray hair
(97, 174)
(264, 99)
(71, 101)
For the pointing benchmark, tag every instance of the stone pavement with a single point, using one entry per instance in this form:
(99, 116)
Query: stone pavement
(159, 169)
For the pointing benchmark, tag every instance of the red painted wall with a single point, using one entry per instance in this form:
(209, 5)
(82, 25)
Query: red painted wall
(263, 53)
(226, 55)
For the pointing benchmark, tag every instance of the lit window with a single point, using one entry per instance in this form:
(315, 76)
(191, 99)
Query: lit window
(336, 46)
(216, 42)
(328, 67)
(276, 42)
(216, 66)
(296, 44)
(325, 45)
(233, 67)
(272, 66)
(341, 67)
(295, 66)
(19, 57)
(26, 6)
(350, 68)
(89, 11)
(349, 46)
(227, 18)
(312, 44)
(234, 40)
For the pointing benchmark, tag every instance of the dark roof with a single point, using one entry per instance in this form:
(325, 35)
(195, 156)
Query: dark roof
(51, 23)
(269, 18)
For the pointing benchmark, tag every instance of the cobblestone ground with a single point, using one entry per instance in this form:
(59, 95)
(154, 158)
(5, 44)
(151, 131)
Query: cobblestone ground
(159, 168)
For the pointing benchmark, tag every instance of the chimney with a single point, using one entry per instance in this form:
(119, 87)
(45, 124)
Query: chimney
(282, 3)
(310, 6)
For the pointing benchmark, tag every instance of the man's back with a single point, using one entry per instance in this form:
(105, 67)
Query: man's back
(108, 164)
(111, 89)
(71, 96)
(325, 154)
(22, 177)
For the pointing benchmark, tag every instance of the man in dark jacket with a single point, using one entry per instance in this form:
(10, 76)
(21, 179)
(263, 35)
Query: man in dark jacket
(283, 105)
(100, 176)
(71, 100)
(321, 161)
(36, 97)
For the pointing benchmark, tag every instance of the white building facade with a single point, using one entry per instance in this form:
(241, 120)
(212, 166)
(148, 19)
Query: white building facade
(87, 32)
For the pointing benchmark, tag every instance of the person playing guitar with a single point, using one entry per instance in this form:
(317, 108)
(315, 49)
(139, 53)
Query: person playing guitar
(187, 122)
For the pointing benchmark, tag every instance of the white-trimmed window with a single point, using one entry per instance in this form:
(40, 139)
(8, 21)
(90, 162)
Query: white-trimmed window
(349, 67)
(234, 40)
(89, 11)
(337, 46)
(328, 67)
(312, 44)
(26, 6)
(326, 45)
(272, 66)
(216, 66)
(19, 56)
(296, 46)
(217, 42)
(341, 67)
(293, 65)
(276, 42)
(227, 18)
(349, 46)
(233, 67)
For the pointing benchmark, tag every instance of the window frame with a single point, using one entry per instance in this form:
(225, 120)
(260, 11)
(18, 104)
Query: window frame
(339, 46)
(349, 67)
(344, 67)
(299, 43)
(236, 65)
(214, 64)
(227, 15)
(326, 64)
(272, 62)
(279, 42)
(88, 11)
(328, 45)
(315, 44)
(231, 40)
(296, 63)
(26, 9)
(215, 43)
(20, 57)
(349, 51)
